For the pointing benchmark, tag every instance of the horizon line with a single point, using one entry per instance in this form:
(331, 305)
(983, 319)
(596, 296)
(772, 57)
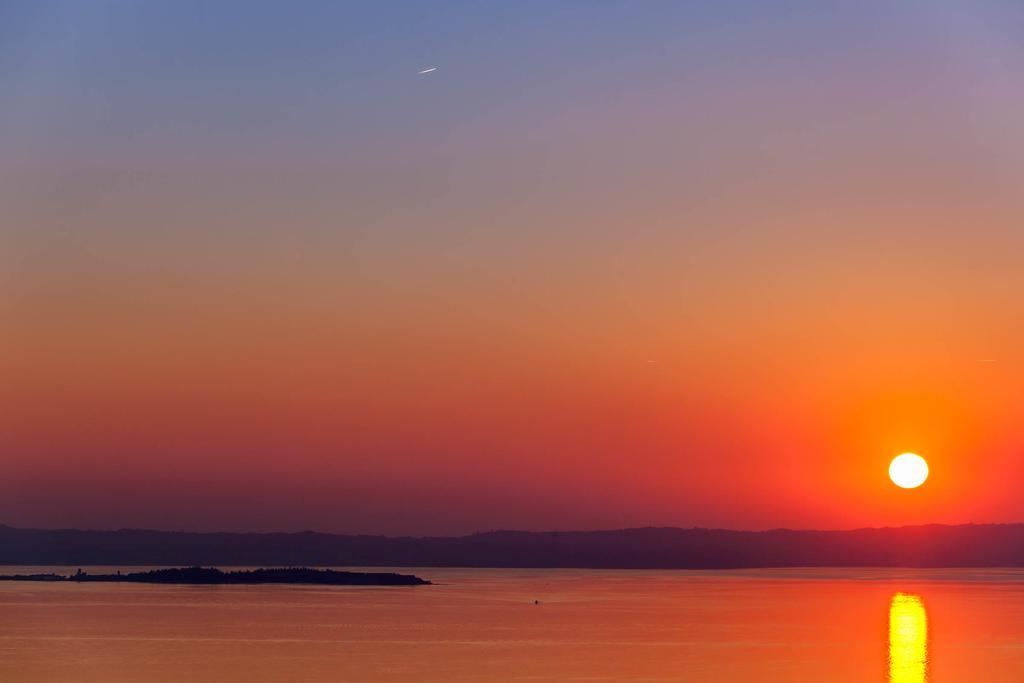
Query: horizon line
(518, 531)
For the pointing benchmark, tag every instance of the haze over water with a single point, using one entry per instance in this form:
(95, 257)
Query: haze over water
(902, 626)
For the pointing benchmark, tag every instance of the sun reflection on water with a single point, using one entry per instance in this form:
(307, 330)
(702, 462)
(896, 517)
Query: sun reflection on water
(908, 639)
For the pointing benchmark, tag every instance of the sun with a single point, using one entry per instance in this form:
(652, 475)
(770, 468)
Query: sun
(908, 470)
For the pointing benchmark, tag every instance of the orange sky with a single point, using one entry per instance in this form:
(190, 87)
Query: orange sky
(606, 267)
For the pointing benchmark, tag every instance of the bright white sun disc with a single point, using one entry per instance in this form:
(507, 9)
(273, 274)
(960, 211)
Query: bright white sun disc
(908, 470)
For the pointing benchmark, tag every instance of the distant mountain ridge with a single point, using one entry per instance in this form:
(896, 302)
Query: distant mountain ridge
(970, 545)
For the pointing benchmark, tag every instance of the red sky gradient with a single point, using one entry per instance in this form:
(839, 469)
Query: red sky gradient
(606, 267)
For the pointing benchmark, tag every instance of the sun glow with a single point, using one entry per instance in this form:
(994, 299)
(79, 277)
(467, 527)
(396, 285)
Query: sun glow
(908, 470)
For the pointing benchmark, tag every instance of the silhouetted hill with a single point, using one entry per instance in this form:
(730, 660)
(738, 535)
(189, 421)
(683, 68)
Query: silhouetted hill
(991, 545)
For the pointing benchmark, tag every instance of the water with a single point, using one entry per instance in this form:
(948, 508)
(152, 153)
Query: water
(903, 626)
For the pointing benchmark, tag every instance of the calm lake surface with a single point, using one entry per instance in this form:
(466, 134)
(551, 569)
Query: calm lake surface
(765, 625)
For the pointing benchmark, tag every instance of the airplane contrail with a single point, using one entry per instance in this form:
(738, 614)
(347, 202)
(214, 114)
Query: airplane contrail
(426, 71)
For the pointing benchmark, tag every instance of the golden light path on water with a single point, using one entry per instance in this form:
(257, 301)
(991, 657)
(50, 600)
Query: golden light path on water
(908, 639)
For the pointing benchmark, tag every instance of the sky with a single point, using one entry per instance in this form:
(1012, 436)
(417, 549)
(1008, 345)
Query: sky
(611, 264)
